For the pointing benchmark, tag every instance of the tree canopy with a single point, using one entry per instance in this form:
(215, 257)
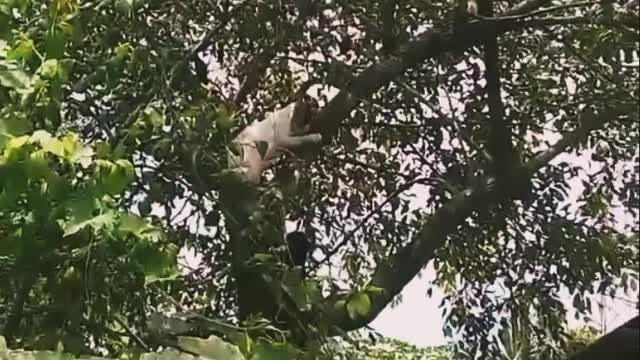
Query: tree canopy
(115, 127)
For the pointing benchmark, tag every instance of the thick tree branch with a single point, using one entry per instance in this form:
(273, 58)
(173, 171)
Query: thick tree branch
(622, 341)
(255, 70)
(504, 157)
(394, 273)
(260, 63)
(429, 44)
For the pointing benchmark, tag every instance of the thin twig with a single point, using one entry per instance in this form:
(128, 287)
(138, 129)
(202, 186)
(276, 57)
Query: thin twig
(391, 196)
(135, 337)
(540, 11)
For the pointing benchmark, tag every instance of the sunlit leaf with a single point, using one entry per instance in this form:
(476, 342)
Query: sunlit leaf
(134, 224)
(13, 77)
(358, 305)
(22, 50)
(274, 351)
(76, 151)
(49, 68)
(213, 347)
(127, 167)
(153, 278)
(103, 221)
(16, 143)
(53, 146)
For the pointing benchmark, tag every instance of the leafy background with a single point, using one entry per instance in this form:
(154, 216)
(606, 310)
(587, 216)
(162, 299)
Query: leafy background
(113, 145)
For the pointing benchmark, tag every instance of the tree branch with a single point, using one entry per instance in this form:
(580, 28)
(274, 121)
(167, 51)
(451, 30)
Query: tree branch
(259, 65)
(504, 158)
(12, 325)
(622, 341)
(406, 263)
(394, 273)
(429, 44)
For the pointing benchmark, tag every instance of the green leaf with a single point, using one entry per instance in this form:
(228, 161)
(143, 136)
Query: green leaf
(152, 278)
(271, 351)
(134, 224)
(22, 50)
(154, 117)
(81, 206)
(15, 143)
(49, 69)
(13, 126)
(103, 221)
(224, 118)
(77, 152)
(374, 290)
(119, 151)
(127, 167)
(59, 186)
(113, 178)
(358, 305)
(37, 165)
(103, 149)
(48, 143)
(124, 6)
(242, 340)
(157, 262)
(55, 43)
(263, 257)
(123, 51)
(292, 282)
(13, 77)
(212, 348)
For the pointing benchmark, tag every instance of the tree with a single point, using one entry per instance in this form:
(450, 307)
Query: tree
(621, 341)
(114, 134)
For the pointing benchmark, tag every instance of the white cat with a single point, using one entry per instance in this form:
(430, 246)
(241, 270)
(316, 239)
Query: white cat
(262, 142)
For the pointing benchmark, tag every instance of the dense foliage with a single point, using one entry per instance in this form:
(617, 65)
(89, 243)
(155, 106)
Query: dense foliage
(115, 120)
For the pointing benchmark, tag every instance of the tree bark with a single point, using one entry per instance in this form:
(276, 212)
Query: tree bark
(623, 343)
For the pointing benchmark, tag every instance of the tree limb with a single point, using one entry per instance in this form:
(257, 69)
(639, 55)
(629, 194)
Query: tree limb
(429, 44)
(504, 158)
(394, 273)
(622, 341)
(258, 65)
